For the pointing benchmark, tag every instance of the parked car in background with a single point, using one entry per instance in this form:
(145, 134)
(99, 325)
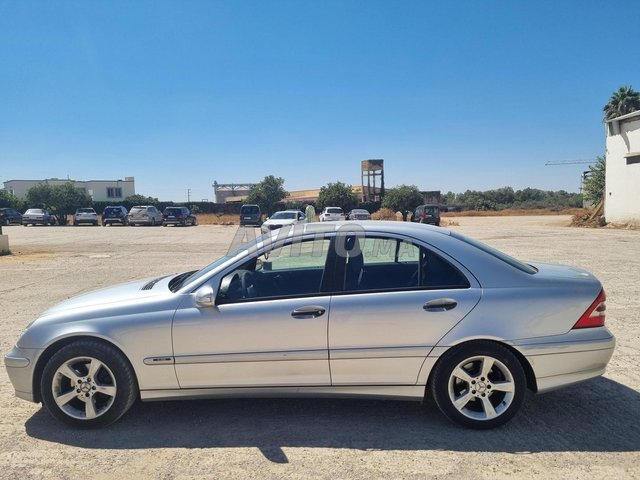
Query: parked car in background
(10, 215)
(38, 216)
(178, 216)
(332, 214)
(377, 309)
(85, 215)
(359, 214)
(144, 215)
(250, 215)
(114, 214)
(429, 213)
(283, 218)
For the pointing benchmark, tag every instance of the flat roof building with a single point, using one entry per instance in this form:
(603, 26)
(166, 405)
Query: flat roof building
(98, 190)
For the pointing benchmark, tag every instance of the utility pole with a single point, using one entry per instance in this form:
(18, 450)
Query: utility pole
(188, 195)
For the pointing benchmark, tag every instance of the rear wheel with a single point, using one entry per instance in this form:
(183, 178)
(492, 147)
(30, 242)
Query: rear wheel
(479, 385)
(88, 384)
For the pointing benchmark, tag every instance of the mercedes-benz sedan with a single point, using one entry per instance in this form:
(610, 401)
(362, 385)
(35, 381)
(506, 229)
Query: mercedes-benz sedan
(378, 309)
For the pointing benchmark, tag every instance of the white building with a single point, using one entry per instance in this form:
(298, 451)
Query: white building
(622, 192)
(98, 190)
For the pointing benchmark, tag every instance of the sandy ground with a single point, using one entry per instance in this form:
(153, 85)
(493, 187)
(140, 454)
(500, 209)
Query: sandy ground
(586, 431)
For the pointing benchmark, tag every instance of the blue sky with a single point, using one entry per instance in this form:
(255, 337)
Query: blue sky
(453, 95)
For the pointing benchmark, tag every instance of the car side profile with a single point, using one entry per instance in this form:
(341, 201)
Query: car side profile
(346, 309)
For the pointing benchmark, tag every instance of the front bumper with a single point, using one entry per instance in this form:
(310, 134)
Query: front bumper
(20, 363)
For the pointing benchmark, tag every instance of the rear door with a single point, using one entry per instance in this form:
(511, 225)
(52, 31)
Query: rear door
(398, 300)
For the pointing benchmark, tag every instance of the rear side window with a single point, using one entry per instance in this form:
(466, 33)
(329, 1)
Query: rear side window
(394, 264)
(514, 262)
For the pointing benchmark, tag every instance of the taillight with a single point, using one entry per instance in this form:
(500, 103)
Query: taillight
(595, 314)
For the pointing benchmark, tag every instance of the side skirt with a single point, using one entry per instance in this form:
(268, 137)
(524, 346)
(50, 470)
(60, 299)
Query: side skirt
(391, 392)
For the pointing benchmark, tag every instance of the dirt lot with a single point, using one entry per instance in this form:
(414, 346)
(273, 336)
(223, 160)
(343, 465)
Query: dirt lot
(587, 431)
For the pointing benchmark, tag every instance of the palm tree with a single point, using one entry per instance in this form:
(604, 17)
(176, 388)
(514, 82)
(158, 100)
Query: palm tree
(624, 100)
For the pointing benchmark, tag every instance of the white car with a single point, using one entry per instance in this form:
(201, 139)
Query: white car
(332, 214)
(85, 215)
(280, 219)
(144, 215)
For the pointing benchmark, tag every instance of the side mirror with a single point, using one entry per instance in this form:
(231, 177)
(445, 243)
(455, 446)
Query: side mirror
(205, 297)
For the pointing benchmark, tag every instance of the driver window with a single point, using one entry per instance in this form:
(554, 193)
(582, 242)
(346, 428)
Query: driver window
(295, 269)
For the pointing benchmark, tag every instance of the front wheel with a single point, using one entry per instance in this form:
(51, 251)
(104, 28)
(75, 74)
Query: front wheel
(479, 385)
(88, 384)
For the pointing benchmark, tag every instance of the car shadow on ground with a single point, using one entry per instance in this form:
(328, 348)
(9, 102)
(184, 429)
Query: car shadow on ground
(600, 415)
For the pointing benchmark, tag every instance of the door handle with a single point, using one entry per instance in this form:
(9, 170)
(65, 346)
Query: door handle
(440, 305)
(311, 311)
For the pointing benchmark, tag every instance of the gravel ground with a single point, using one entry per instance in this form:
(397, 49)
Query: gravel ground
(586, 431)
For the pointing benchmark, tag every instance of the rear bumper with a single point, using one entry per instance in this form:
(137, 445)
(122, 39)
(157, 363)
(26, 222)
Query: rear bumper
(106, 221)
(563, 360)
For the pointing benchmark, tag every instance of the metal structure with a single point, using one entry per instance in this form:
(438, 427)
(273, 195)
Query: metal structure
(372, 175)
(222, 191)
(571, 162)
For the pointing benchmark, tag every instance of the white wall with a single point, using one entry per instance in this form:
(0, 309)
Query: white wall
(622, 192)
(97, 189)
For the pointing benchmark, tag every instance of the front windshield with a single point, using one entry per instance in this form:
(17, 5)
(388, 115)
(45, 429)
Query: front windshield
(34, 211)
(284, 215)
(212, 266)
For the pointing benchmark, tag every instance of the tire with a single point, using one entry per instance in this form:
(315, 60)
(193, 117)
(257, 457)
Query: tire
(472, 397)
(153, 222)
(110, 394)
(75, 224)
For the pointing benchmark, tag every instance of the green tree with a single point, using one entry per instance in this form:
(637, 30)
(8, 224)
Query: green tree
(67, 198)
(624, 100)
(594, 185)
(337, 195)
(403, 198)
(138, 199)
(40, 196)
(60, 199)
(9, 200)
(269, 192)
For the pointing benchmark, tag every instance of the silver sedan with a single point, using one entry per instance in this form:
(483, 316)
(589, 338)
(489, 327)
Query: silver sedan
(378, 309)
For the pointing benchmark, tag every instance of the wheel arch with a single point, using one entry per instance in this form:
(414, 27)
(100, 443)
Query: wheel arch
(532, 383)
(54, 347)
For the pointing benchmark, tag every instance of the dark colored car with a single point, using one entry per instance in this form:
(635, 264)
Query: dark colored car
(250, 215)
(10, 215)
(115, 214)
(428, 213)
(178, 216)
(359, 214)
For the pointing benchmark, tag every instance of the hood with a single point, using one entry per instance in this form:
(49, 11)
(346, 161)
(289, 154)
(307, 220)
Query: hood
(122, 293)
(280, 221)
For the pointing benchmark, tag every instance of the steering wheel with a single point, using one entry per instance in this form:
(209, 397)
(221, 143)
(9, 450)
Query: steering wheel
(247, 286)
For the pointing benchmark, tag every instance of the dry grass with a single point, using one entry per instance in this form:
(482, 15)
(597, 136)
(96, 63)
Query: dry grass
(513, 212)
(217, 219)
(384, 214)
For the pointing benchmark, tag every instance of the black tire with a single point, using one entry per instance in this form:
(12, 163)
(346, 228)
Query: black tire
(506, 370)
(115, 368)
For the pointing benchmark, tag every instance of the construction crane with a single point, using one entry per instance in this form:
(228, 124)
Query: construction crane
(571, 162)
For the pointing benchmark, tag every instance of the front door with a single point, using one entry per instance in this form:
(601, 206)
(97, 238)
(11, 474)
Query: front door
(268, 327)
